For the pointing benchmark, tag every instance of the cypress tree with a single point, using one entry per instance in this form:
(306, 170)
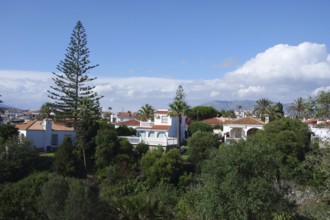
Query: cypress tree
(71, 82)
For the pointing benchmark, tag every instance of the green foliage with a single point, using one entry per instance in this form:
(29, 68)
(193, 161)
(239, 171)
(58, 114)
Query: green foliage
(68, 161)
(237, 182)
(141, 149)
(18, 200)
(262, 107)
(45, 111)
(110, 149)
(202, 112)
(71, 88)
(52, 197)
(165, 168)
(123, 130)
(228, 113)
(81, 203)
(276, 111)
(145, 113)
(199, 126)
(17, 159)
(200, 145)
(107, 146)
(8, 132)
(86, 127)
(298, 108)
(68, 198)
(291, 139)
(179, 108)
(156, 203)
(322, 104)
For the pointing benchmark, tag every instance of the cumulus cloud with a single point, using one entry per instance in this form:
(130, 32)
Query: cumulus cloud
(281, 73)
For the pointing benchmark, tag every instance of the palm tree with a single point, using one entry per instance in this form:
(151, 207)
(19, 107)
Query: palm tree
(298, 108)
(179, 107)
(262, 107)
(276, 111)
(146, 112)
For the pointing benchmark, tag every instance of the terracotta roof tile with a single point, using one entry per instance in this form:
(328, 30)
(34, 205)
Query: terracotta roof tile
(37, 126)
(126, 115)
(25, 125)
(164, 112)
(56, 126)
(247, 121)
(216, 121)
(132, 122)
(157, 127)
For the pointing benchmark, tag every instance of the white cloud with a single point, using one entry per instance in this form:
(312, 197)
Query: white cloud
(281, 73)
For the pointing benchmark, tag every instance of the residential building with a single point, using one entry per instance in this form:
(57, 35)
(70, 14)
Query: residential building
(162, 131)
(241, 128)
(45, 134)
(134, 123)
(125, 116)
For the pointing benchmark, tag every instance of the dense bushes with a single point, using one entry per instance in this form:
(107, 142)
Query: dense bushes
(253, 179)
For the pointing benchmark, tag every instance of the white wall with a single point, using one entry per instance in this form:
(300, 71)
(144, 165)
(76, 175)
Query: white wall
(39, 140)
(158, 119)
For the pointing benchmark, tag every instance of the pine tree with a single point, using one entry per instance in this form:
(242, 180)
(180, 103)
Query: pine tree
(71, 83)
(76, 102)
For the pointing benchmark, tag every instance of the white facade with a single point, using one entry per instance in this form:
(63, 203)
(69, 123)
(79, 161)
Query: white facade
(45, 135)
(241, 128)
(163, 131)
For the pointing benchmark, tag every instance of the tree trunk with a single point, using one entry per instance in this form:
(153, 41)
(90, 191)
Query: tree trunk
(179, 132)
(84, 156)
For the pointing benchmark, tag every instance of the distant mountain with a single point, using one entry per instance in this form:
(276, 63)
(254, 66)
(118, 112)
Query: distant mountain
(231, 105)
(2, 106)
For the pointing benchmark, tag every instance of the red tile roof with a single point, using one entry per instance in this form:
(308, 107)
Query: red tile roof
(246, 121)
(216, 121)
(126, 115)
(25, 125)
(37, 125)
(157, 127)
(165, 112)
(311, 121)
(132, 122)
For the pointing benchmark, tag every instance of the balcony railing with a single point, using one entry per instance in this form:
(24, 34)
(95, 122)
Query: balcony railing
(151, 141)
(146, 124)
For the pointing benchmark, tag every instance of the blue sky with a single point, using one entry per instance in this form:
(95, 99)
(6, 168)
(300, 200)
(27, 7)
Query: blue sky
(146, 48)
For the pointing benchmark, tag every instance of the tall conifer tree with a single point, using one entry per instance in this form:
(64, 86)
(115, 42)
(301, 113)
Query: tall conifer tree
(179, 108)
(75, 100)
(71, 83)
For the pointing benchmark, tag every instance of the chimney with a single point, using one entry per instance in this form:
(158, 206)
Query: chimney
(47, 124)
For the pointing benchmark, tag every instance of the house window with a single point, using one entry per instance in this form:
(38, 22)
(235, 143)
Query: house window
(152, 134)
(161, 135)
(142, 134)
(55, 139)
(237, 133)
(164, 119)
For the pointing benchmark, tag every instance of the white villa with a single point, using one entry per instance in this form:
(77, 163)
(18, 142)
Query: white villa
(162, 131)
(241, 128)
(45, 134)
